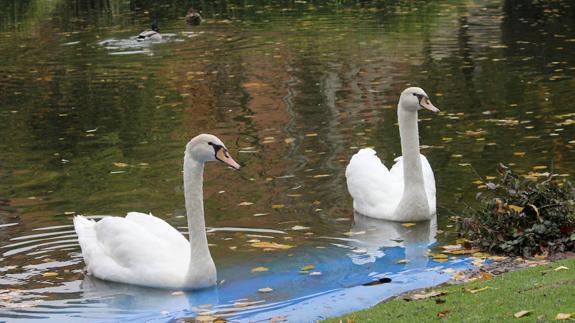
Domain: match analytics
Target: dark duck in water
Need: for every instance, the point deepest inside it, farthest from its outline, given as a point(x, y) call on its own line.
point(193, 17)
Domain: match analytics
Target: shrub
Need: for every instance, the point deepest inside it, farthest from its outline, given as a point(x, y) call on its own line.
point(523, 217)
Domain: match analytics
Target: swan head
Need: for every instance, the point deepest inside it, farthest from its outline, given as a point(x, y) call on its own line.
point(415, 99)
point(206, 147)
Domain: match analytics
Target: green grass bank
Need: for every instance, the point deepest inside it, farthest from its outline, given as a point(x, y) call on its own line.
point(544, 291)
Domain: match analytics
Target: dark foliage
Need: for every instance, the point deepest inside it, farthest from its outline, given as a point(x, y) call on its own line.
point(523, 217)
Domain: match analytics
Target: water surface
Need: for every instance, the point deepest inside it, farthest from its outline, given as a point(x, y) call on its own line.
point(95, 123)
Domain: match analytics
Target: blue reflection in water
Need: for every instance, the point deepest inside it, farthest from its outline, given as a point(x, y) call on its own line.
point(334, 286)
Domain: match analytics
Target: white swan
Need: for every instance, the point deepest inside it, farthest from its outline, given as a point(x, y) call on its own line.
point(141, 249)
point(378, 192)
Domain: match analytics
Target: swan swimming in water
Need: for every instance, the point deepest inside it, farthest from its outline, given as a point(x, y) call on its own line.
point(141, 249)
point(406, 192)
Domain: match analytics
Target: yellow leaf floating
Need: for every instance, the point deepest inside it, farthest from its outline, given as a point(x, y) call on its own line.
point(278, 206)
point(270, 245)
point(440, 260)
point(259, 269)
point(521, 314)
point(438, 256)
point(311, 134)
point(265, 290)
point(539, 167)
point(49, 274)
point(307, 267)
point(121, 165)
point(407, 225)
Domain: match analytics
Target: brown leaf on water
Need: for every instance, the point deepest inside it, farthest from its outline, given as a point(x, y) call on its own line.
point(50, 274)
point(259, 269)
point(521, 314)
point(278, 206)
point(485, 275)
point(271, 245)
point(265, 290)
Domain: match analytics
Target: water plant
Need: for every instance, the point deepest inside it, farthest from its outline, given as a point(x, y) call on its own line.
point(523, 216)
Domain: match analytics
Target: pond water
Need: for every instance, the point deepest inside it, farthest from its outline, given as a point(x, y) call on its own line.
point(94, 122)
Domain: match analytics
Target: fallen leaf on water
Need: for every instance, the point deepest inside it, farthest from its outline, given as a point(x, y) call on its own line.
point(245, 203)
point(563, 316)
point(463, 251)
point(244, 304)
point(315, 273)
point(49, 274)
point(521, 314)
point(265, 290)
point(299, 227)
point(178, 293)
point(307, 267)
point(432, 293)
point(407, 225)
point(259, 269)
point(561, 268)
point(121, 165)
point(477, 290)
point(204, 318)
point(438, 256)
point(278, 206)
point(289, 140)
point(321, 175)
point(440, 260)
point(270, 245)
point(539, 167)
point(311, 134)
point(403, 261)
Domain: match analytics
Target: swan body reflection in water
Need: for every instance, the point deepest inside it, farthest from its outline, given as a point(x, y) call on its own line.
point(371, 236)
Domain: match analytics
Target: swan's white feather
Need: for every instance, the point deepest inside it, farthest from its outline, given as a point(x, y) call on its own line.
point(377, 191)
point(139, 249)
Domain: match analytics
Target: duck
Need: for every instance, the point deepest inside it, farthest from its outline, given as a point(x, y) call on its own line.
point(141, 249)
point(153, 34)
point(193, 17)
point(406, 192)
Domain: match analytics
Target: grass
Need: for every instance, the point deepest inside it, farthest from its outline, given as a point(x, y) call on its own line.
point(541, 290)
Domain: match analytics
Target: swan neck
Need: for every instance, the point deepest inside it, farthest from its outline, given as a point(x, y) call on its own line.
point(409, 133)
point(193, 190)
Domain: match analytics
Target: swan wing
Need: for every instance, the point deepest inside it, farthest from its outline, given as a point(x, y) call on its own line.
point(125, 250)
point(375, 190)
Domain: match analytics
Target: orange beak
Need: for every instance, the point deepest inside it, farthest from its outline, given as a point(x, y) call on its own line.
point(426, 103)
point(223, 156)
